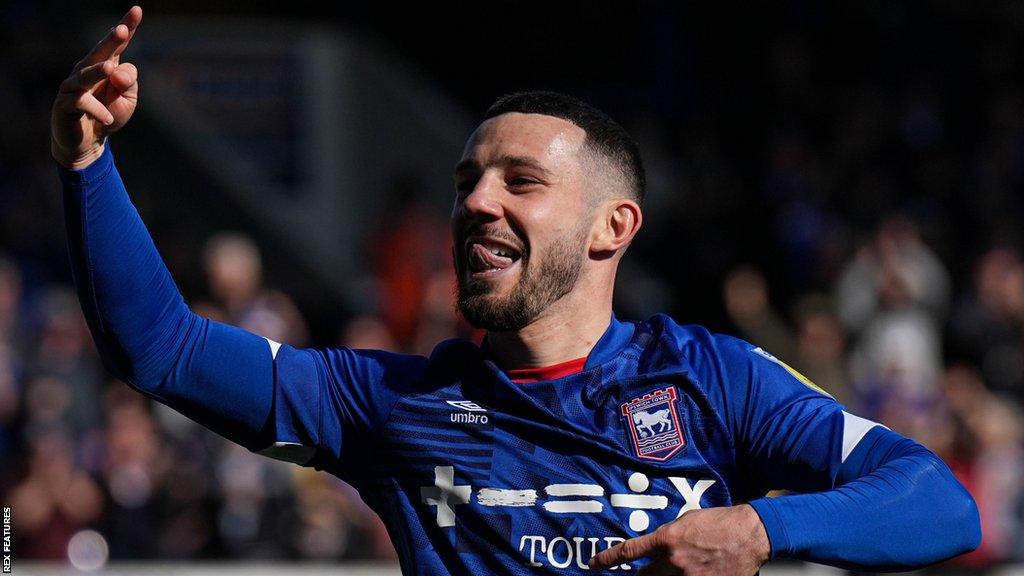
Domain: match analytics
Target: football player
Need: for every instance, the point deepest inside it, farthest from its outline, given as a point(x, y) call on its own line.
point(570, 441)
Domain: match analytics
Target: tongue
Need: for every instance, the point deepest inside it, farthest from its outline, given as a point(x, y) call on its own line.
point(481, 258)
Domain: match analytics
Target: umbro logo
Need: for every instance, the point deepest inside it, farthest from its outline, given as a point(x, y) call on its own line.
point(467, 405)
point(470, 407)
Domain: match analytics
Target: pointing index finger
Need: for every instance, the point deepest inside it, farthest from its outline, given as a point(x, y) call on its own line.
point(624, 552)
point(116, 41)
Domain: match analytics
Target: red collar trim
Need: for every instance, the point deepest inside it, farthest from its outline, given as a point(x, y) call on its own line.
point(530, 375)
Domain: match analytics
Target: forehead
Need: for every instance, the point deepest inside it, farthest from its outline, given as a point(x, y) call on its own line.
point(546, 139)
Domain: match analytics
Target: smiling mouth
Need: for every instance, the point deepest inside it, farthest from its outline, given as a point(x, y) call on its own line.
point(487, 257)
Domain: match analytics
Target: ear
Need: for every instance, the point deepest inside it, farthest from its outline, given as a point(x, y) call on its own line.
point(620, 220)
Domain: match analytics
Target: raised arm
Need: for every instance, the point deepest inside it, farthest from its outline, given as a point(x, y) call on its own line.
point(146, 335)
point(320, 408)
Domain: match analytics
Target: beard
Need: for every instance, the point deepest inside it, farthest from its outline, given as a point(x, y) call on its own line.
point(541, 283)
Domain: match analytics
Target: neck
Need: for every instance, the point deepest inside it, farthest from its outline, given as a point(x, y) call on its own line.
point(566, 331)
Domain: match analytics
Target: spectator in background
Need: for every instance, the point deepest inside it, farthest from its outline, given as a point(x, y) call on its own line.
point(998, 470)
point(964, 393)
point(893, 270)
point(438, 320)
point(410, 244)
point(10, 400)
point(817, 348)
point(821, 346)
point(987, 327)
point(745, 294)
point(894, 295)
point(189, 528)
point(368, 331)
point(12, 318)
point(55, 500)
point(332, 522)
point(12, 346)
point(254, 493)
point(47, 405)
point(133, 468)
point(234, 272)
point(62, 363)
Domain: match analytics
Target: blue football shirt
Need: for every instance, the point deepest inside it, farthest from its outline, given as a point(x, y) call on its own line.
point(473, 473)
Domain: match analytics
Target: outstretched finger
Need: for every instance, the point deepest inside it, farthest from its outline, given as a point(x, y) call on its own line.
point(116, 41)
point(86, 78)
point(624, 552)
point(131, 20)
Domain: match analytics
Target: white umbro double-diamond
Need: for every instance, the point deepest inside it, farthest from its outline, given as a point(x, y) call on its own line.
point(467, 405)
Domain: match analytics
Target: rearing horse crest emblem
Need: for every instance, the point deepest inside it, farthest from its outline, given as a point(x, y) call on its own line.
point(653, 423)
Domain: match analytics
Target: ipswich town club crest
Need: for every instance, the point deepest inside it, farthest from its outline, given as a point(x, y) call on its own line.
point(653, 424)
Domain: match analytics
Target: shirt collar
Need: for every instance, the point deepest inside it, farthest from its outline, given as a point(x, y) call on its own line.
point(617, 336)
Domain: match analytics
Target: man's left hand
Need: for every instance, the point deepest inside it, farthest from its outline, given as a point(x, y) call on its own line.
point(730, 540)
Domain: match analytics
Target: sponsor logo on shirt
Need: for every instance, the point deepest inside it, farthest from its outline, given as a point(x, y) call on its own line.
point(470, 415)
point(638, 506)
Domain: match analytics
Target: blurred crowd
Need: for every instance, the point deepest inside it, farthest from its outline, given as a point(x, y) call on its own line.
point(862, 222)
point(894, 344)
point(90, 452)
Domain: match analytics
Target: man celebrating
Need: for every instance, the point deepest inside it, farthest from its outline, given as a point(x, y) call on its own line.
point(570, 441)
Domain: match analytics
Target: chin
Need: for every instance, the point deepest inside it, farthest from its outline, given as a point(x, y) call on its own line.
point(492, 312)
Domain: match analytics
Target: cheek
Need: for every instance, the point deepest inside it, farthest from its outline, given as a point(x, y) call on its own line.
point(458, 222)
point(550, 220)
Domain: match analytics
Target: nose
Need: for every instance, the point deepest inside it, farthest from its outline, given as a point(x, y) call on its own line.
point(483, 201)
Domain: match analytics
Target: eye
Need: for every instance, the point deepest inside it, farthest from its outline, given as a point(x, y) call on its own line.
point(521, 182)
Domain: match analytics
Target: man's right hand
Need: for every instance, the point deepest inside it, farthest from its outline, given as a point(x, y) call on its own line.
point(97, 99)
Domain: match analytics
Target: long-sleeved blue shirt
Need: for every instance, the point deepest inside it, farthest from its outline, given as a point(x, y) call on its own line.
point(473, 473)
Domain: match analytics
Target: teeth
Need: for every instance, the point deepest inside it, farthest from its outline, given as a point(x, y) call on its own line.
point(501, 252)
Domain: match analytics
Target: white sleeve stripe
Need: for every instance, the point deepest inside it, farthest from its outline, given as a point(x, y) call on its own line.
point(274, 347)
point(854, 429)
point(289, 452)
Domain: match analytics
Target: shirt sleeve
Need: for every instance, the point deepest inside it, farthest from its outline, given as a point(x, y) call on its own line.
point(867, 498)
point(298, 405)
point(330, 405)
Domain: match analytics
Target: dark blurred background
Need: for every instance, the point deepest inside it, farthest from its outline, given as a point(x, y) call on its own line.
point(842, 184)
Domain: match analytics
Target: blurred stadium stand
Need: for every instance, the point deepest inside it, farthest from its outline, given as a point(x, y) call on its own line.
point(300, 130)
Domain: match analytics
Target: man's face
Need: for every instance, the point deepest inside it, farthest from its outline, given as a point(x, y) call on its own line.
point(521, 219)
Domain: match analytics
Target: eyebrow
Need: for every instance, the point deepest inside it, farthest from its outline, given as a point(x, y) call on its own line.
point(505, 161)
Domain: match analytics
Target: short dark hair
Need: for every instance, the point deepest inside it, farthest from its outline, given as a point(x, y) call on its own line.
point(604, 135)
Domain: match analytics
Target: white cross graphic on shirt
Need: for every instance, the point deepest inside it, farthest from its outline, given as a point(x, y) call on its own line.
point(444, 494)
